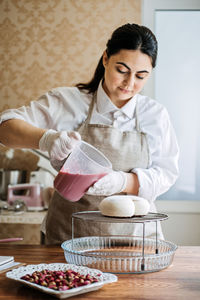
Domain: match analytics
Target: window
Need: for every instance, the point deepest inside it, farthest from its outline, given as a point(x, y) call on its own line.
point(176, 84)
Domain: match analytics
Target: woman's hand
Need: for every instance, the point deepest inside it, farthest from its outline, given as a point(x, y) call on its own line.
point(59, 144)
point(112, 183)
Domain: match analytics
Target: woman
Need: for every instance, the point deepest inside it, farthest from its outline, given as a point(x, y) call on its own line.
point(132, 130)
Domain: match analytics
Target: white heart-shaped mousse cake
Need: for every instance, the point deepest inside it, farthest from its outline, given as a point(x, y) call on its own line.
point(124, 206)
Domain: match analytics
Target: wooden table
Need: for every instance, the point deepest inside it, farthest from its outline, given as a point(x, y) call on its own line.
point(181, 280)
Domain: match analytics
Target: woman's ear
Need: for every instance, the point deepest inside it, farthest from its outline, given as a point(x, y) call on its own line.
point(105, 58)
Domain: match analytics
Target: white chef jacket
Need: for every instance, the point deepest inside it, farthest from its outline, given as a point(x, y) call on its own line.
point(65, 108)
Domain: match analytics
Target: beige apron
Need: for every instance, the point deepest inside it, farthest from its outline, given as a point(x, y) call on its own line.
point(125, 150)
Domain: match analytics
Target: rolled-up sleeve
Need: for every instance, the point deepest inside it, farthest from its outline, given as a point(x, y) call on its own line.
point(58, 109)
point(38, 113)
point(163, 170)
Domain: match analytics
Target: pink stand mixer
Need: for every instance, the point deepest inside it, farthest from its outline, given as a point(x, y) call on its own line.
point(32, 195)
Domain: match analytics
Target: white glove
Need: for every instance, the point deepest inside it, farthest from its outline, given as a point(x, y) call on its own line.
point(112, 183)
point(59, 144)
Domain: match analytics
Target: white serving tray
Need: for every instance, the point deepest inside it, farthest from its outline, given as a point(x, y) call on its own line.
point(104, 278)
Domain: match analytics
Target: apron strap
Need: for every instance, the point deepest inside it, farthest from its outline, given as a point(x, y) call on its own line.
point(87, 120)
point(136, 117)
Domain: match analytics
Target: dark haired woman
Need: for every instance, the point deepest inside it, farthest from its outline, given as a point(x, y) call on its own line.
point(132, 130)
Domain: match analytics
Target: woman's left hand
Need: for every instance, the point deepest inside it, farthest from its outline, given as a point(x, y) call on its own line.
point(112, 183)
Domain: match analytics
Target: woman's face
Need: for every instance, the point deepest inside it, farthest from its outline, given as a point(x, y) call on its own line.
point(125, 74)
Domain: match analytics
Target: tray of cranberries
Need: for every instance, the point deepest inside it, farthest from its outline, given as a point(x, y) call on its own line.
point(61, 280)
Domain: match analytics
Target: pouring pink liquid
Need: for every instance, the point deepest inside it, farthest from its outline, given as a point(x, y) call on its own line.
point(73, 186)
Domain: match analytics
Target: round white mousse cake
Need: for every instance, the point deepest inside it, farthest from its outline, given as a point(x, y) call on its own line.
point(124, 206)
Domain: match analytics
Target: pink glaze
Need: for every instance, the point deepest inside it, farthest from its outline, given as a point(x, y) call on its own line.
point(73, 186)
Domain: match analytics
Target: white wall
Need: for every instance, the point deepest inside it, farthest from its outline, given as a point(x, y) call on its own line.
point(183, 225)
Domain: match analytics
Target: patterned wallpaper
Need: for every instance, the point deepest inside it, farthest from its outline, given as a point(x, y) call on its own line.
point(50, 43)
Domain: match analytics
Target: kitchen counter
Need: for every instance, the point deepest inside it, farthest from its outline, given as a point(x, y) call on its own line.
point(23, 224)
point(181, 280)
point(30, 217)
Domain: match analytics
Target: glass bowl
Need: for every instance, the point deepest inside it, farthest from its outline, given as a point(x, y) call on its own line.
point(119, 254)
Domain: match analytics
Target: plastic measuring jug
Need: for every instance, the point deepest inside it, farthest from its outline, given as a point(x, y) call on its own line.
point(83, 167)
